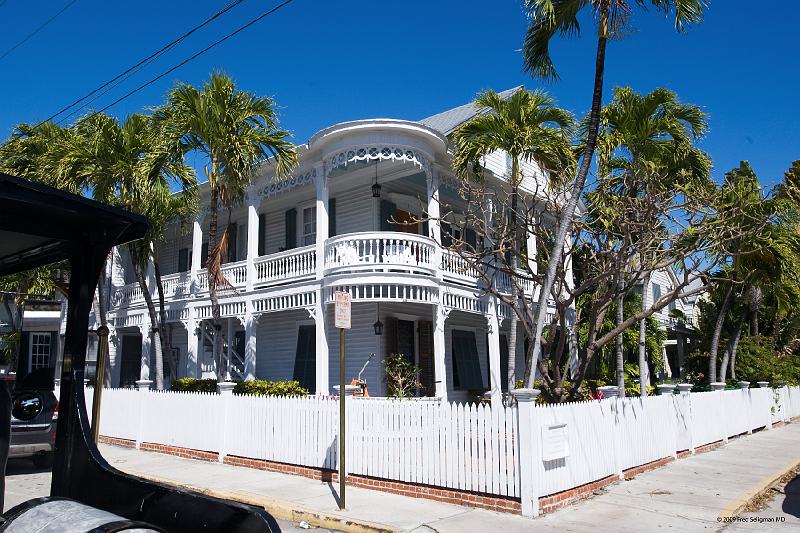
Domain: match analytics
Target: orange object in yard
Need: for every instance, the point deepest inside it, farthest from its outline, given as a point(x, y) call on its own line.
point(362, 388)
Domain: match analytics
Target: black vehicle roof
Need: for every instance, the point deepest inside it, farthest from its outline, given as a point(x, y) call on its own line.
point(40, 225)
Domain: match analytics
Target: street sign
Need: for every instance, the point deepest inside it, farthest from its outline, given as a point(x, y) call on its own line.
point(342, 304)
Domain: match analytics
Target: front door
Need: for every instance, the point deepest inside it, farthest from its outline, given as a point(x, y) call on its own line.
point(405, 222)
point(130, 371)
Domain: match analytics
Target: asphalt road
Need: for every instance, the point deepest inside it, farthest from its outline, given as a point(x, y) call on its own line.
point(24, 481)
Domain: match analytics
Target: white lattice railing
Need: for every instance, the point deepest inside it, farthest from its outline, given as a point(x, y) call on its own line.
point(176, 285)
point(127, 295)
point(286, 266)
point(458, 269)
point(380, 251)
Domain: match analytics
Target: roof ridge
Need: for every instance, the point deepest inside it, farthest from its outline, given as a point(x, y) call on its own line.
point(448, 120)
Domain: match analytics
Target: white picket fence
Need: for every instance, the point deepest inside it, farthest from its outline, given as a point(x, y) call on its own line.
point(526, 451)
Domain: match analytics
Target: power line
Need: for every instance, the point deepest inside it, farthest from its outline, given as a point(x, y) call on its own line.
point(138, 66)
point(37, 30)
point(195, 56)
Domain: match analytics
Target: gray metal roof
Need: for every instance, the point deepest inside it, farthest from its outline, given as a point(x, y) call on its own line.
point(447, 121)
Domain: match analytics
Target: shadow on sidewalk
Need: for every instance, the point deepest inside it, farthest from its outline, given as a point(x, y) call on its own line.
point(791, 502)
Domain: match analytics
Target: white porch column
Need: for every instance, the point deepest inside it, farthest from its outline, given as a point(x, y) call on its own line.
point(191, 344)
point(197, 250)
point(250, 339)
point(493, 338)
point(434, 226)
point(144, 329)
point(319, 312)
point(531, 247)
point(439, 368)
point(229, 351)
point(252, 244)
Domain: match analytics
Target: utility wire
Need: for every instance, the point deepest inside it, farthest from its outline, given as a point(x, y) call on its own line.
point(138, 66)
point(37, 30)
point(196, 55)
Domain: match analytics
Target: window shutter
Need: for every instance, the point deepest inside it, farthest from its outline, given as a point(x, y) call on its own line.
point(447, 237)
point(391, 334)
point(183, 260)
point(262, 234)
point(465, 357)
point(305, 370)
point(387, 213)
point(471, 238)
point(503, 363)
point(291, 228)
point(426, 228)
point(204, 255)
point(51, 359)
point(331, 217)
point(232, 236)
point(427, 375)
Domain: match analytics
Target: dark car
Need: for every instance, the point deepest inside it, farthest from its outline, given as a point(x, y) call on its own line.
point(34, 416)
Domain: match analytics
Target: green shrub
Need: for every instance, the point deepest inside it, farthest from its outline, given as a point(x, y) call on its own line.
point(755, 361)
point(401, 376)
point(194, 385)
point(260, 387)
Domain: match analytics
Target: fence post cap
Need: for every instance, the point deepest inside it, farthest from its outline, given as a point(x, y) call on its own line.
point(743, 384)
point(143, 384)
point(525, 395)
point(666, 388)
point(717, 385)
point(225, 387)
point(609, 391)
point(763, 384)
point(685, 387)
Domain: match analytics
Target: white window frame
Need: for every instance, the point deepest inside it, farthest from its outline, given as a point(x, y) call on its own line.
point(34, 342)
point(301, 226)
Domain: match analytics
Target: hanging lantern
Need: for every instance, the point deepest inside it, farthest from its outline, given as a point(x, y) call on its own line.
point(378, 325)
point(376, 193)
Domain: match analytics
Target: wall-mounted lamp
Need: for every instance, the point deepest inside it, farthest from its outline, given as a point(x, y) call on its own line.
point(376, 188)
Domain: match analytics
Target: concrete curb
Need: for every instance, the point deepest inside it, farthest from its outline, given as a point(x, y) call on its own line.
point(735, 507)
point(285, 510)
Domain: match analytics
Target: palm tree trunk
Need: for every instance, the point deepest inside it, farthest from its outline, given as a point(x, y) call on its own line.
point(735, 345)
point(512, 335)
point(565, 220)
point(755, 303)
point(723, 366)
point(644, 370)
point(619, 352)
point(155, 341)
point(166, 348)
point(211, 266)
point(712, 352)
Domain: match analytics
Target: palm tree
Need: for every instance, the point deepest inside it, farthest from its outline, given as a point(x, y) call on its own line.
point(529, 127)
point(235, 131)
point(133, 165)
point(646, 146)
point(551, 17)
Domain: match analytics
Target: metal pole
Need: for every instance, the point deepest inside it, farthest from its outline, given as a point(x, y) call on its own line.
point(342, 434)
point(100, 371)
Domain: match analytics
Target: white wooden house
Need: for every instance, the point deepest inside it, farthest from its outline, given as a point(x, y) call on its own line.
point(297, 240)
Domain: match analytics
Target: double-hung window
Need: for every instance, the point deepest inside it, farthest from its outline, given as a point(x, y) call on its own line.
point(309, 226)
point(40, 350)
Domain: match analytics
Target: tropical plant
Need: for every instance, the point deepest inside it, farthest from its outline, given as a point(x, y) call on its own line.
point(235, 131)
point(530, 128)
point(402, 376)
point(260, 387)
point(134, 165)
point(547, 19)
point(646, 146)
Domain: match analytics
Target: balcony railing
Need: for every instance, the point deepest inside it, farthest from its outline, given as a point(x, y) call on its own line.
point(286, 267)
point(380, 251)
point(177, 285)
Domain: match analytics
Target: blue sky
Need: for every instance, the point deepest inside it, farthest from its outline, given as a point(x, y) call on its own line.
point(326, 62)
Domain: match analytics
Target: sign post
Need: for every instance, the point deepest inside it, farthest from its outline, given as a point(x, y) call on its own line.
point(342, 321)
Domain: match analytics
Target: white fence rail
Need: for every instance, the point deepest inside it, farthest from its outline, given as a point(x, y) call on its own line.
point(457, 446)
